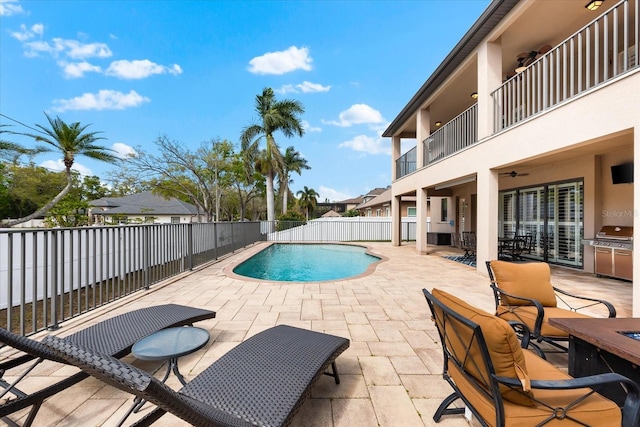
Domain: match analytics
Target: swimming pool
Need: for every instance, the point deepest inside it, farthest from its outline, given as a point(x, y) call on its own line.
point(295, 262)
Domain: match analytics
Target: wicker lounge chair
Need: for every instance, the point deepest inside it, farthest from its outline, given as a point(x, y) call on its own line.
point(262, 381)
point(114, 336)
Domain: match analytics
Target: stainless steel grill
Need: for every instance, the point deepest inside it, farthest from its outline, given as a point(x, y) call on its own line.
point(613, 251)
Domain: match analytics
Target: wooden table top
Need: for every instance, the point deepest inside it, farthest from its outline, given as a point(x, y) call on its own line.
point(604, 334)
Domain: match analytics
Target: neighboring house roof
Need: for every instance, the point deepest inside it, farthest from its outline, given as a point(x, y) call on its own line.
point(384, 199)
point(144, 203)
point(489, 19)
point(331, 213)
point(380, 199)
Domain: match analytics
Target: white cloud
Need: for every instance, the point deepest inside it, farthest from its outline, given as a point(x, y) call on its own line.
point(305, 87)
point(103, 100)
point(308, 128)
point(332, 195)
point(281, 62)
point(58, 166)
point(73, 70)
point(357, 114)
point(10, 7)
point(123, 150)
point(367, 144)
point(27, 33)
point(139, 69)
point(71, 48)
point(308, 87)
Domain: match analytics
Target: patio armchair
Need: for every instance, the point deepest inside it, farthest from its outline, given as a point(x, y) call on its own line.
point(114, 336)
point(504, 384)
point(262, 381)
point(524, 293)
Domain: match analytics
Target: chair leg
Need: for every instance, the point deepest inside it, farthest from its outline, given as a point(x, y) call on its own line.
point(335, 375)
point(444, 409)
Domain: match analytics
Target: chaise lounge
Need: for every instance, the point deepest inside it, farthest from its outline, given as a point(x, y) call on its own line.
point(504, 384)
point(262, 381)
point(114, 337)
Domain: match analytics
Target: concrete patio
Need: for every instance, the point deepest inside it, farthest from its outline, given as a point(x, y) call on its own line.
point(391, 374)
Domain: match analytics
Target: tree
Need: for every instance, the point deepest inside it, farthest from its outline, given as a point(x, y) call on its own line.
point(293, 162)
point(274, 116)
point(195, 177)
point(308, 199)
point(70, 141)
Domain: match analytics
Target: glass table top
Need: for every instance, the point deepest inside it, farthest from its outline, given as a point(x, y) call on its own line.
point(170, 343)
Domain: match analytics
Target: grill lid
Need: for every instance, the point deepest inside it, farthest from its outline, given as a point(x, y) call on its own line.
point(615, 232)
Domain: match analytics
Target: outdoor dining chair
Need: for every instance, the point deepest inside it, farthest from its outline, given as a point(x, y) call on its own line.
point(523, 292)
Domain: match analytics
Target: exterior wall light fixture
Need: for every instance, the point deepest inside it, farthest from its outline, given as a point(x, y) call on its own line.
point(594, 4)
point(438, 123)
point(474, 95)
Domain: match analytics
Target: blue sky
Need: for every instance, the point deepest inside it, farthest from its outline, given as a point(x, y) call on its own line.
point(190, 70)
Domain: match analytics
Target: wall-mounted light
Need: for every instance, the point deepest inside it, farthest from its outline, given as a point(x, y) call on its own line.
point(438, 123)
point(594, 4)
point(474, 95)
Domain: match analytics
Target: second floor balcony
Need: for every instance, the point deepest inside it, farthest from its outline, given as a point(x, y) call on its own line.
point(597, 52)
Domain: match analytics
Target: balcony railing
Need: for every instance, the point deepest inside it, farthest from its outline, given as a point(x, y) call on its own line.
point(604, 49)
point(406, 163)
point(459, 133)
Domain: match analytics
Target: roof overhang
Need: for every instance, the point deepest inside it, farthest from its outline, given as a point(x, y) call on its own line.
point(489, 19)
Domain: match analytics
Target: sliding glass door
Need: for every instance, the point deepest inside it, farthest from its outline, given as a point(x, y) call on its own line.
point(552, 214)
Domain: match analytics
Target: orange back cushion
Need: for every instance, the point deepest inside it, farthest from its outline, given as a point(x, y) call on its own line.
point(530, 280)
point(503, 345)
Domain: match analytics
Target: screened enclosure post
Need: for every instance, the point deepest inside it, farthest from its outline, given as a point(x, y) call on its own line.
point(54, 281)
point(145, 257)
point(215, 239)
point(190, 243)
point(9, 280)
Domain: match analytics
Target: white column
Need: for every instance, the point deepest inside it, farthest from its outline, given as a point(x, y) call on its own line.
point(489, 78)
point(423, 129)
point(421, 220)
point(396, 232)
point(396, 221)
point(486, 218)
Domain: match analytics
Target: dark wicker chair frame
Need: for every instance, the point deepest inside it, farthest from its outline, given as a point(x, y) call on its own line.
point(262, 381)
point(114, 336)
point(630, 411)
point(560, 343)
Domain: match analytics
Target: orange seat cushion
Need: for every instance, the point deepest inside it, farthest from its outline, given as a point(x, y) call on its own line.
point(503, 345)
point(595, 410)
point(527, 314)
point(530, 280)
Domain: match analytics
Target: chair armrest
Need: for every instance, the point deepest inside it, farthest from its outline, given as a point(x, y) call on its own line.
point(630, 410)
point(610, 307)
point(523, 330)
point(537, 304)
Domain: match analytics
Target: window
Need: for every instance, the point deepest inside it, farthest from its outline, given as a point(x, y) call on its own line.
point(387, 211)
point(175, 220)
point(411, 211)
point(378, 211)
point(443, 209)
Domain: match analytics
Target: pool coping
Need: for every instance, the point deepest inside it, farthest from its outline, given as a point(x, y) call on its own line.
point(228, 270)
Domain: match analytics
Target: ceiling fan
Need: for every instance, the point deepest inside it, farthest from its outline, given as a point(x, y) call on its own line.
point(513, 174)
point(526, 58)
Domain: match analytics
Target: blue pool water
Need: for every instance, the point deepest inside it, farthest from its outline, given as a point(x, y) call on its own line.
point(291, 262)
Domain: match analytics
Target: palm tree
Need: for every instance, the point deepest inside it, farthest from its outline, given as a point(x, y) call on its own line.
point(293, 162)
point(274, 116)
point(70, 141)
point(308, 199)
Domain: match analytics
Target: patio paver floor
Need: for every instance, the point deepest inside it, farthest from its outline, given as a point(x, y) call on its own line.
point(391, 374)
